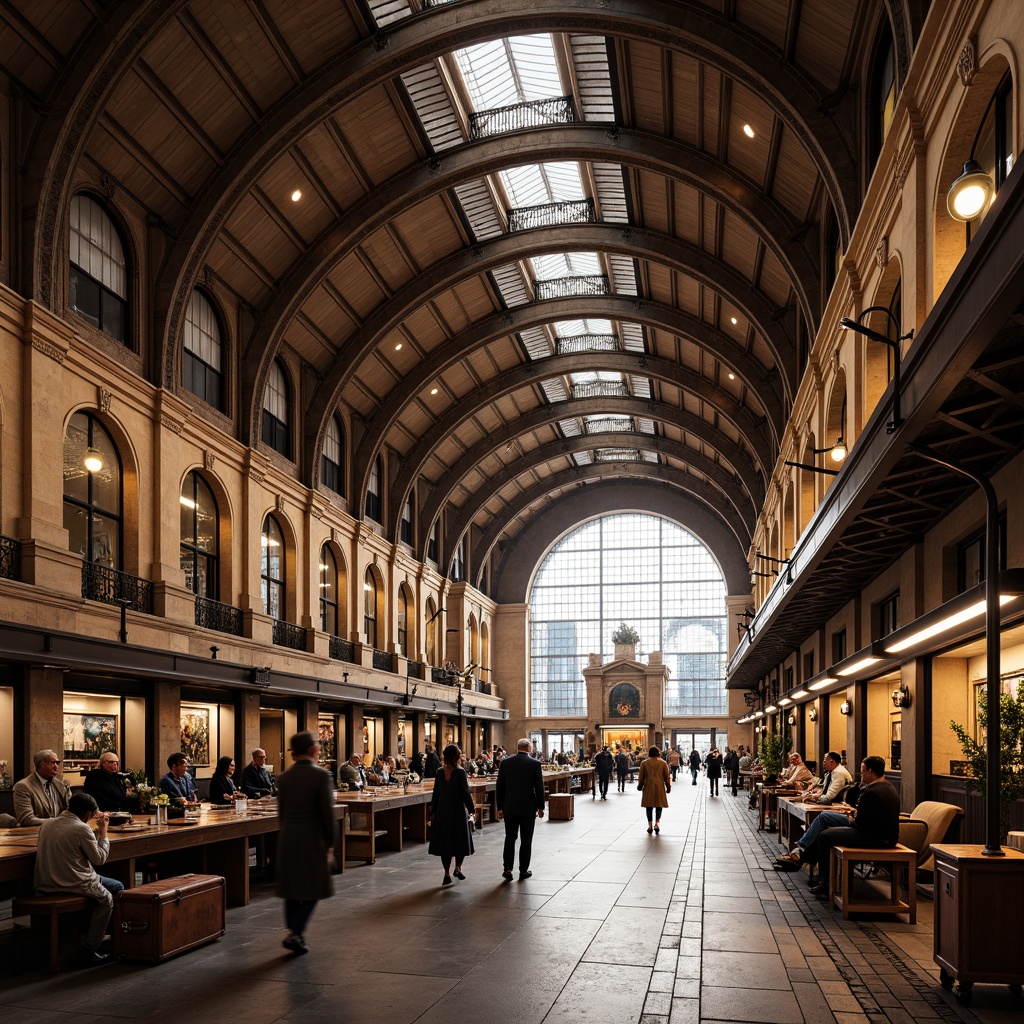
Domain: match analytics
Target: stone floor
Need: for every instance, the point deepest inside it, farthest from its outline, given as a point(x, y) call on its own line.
point(615, 926)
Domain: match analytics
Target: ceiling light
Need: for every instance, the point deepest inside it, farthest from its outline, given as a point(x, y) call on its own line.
point(732, 376)
point(733, 320)
point(853, 669)
point(784, 701)
point(970, 193)
point(797, 694)
point(93, 460)
point(770, 708)
point(296, 196)
point(433, 391)
point(943, 625)
point(821, 684)
point(748, 131)
point(398, 347)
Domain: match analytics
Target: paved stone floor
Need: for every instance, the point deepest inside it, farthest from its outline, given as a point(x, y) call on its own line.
point(614, 927)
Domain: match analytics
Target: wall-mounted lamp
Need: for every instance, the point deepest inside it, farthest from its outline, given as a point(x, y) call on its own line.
point(837, 452)
point(344, 677)
point(213, 652)
point(883, 339)
point(792, 719)
point(846, 708)
point(813, 714)
point(970, 193)
point(901, 697)
point(757, 728)
point(93, 460)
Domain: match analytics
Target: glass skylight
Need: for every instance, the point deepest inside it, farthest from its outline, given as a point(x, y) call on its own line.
point(512, 70)
point(534, 184)
point(565, 264)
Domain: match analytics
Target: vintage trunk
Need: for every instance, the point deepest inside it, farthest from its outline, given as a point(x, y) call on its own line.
point(159, 920)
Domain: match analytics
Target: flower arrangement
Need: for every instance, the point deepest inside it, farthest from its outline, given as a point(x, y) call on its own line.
point(5, 778)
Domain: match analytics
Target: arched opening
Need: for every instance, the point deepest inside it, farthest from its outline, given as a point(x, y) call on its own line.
point(200, 537)
point(430, 621)
point(93, 492)
point(330, 592)
point(373, 608)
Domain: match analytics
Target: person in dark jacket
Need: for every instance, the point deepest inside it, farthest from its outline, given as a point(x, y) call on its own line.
point(256, 780)
point(451, 807)
point(178, 783)
point(621, 769)
point(222, 786)
point(603, 764)
point(109, 787)
point(713, 766)
point(694, 762)
point(431, 763)
point(520, 799)
point(731, 763)
point(305, 842)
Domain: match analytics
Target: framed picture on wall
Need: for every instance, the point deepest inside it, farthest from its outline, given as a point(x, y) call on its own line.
point(195, 734)
point(88, 736)
point(328, 749)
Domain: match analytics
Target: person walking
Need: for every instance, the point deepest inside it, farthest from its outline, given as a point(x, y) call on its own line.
point(713, 766)
point(451, 806)
point(732, 766)
point(674, 761)
point(603, 764)
point(655, 783)
point(305, 841)
point(622, 769)
point(520, 798)
point(694, 763)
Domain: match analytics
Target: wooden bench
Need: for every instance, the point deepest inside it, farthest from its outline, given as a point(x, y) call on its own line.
point(51, 907)
point(844, 858)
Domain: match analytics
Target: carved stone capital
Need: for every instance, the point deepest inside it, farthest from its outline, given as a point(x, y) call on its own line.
point(882, 252)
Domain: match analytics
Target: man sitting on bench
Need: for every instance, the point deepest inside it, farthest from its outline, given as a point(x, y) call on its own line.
point(874, 823)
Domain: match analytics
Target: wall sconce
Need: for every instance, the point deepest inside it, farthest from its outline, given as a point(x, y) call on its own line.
point(970, 193)
point(757, 728)
point(813, 714)
point(837, 452)
point(901, 697)
point(896, 347)
point(846, 708)
point(792, 719)
point(344, 677)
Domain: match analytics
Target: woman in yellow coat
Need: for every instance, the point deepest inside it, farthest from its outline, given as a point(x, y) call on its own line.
point(655, 783)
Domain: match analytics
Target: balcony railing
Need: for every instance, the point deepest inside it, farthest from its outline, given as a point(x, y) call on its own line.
point(286, 634)
point(415, 669)
point(575, 343)
point(383, 660)
point(225, 618)
point(600, 389)
point(438, 675)
point(570, 211)
point(566, 287)
point(341, 650)
point(10, 558)
point(111, 586)
point(517, 116)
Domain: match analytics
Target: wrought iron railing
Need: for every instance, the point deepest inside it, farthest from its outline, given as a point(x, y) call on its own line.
point(427, 4)
point(225, 618)
point(287, 634)
point(341, 650)
point(517, 116)
point(587, 343)
point(570, 211)
point(566, 287)
point(617, 455)
point(438, 675)
point(600, 389)
point(383, 660)
point(10, 558)
point(415, 669)
point(111, 586)
point(610, 424)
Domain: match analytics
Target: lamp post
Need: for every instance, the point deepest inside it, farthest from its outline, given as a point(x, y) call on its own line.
point(993, 846)
point(858, 328)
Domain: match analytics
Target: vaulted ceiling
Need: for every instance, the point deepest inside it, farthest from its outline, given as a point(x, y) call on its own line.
point(712, 140)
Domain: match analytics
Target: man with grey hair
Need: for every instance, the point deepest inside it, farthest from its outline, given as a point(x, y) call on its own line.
point(108, 785)
point(256, 780)
point(43, 794)
point(520, 800)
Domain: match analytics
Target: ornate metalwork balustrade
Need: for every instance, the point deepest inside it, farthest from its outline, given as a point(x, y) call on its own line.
point(341, 650)
point(574, 343)
point(10, 558)
point(571, 211)
point(517, 116)
point(383, 660)
point(415, 670)
point(600, 389)
point(438, 675)
point(111, 586)
point(566, 287)
point(225, 618)
point(287, 634)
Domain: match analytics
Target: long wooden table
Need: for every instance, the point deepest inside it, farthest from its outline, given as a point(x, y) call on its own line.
point(217, 844)
point(382, 820)
point(561, 781)
point(794, 815)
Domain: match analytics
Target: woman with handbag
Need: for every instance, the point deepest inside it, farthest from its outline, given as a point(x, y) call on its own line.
point(655, 784)
point(451, 806)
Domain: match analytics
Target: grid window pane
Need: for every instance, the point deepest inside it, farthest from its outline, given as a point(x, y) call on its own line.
point(638, 569)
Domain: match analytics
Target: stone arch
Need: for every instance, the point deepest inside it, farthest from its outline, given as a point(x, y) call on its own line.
point(292, 606)
point(225, 528)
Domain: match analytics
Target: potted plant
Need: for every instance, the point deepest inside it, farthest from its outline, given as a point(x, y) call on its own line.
point(772, 750)
point(1011, 753)
point(625, 639)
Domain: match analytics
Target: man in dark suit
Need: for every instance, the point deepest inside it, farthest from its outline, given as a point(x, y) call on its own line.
point(256, 780)
point(108, 786)
point(603, 763)
point(520, 800)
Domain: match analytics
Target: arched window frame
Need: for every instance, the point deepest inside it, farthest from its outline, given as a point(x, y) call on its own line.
point(277, 409)
point(85, 432)
point(273, 585)
point(98, 270)
point(993, 142)
point(402, 621)
point(332, 459)
point(408, 518)
point(202, 351)
point(375, 490)
point(328, 591)
point(370, 608)
point(883, 91)
point(201, 564)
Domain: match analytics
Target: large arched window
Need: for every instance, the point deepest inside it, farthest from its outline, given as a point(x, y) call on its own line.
point(993, 146)
point(403, 621)
point(328, 592)
point(272, 580)
point(370, 608)
point(201, 355)
point(407, 518)
point(374, 490)
point(641, 570)
point(276, 411)
point(199, 529)
point(882, 95)
point(92, 492)
point(98, 279)
point(430, 620)
point(330, 465)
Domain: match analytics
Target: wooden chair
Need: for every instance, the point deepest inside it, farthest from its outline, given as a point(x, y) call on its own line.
point(845, 858)
point(51, 906)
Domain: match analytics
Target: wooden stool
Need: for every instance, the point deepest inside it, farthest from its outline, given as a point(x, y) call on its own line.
point(481, 813)
point(51, 906)
point(843, 860)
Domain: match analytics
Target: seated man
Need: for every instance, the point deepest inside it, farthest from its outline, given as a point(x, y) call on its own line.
point(353, 773)
point(875, 822)
point(42, 794)
point(108, 787)
point(177, 783)
point(797, 774)
point(256, 781)
point(67, 856)
point(833, 782)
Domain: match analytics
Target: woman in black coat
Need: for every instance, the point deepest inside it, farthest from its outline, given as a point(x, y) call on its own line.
point(450, 807)
point(222, 786)
point(713, 764)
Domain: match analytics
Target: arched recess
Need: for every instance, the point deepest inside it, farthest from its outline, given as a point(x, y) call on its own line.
point(517, 561)
point(342, 594)
point(374, 609)
point(774, 551)
point(789, 524)
point(431, 618)
point(473, 635)
point(950, 236)
point(805, 483)
point(879, 359)
point(225, 530)
point(405, 621)
point(291, 607)
point(837, 418)
point(484, 670)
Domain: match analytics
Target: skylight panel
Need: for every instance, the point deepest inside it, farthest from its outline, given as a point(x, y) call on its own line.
point(570, 328)
point(592, 376)
point(568, 264)
point(512, 70)
point(533, 184)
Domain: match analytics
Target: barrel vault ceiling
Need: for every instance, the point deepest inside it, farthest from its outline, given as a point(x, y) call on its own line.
point(502, 358)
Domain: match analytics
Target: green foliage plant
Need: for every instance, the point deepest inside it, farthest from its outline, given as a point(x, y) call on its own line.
point(625, 635)
point(772, 750)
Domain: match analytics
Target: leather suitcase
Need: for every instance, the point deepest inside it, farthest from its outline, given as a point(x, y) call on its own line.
point(162, 919)
point(561, 807)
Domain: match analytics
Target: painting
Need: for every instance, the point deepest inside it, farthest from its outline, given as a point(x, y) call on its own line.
point(88, 736)
point(624, 701)
point(195, 734)
point(328, 750)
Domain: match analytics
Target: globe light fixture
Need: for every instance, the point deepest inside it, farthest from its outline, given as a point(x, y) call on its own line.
point(970, 193)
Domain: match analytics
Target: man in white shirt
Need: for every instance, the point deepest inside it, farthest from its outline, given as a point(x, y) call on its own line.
point(833, 782)
point(797, 774)
point(43, 794)
point(67, 856)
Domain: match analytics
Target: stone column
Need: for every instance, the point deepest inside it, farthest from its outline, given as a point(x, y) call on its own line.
point(43, 716)
point(165, 731)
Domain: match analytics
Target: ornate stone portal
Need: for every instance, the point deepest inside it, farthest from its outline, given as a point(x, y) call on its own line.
point(625, 699)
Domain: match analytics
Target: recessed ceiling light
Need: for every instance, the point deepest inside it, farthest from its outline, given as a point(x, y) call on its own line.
point(433, 391)
point(732, 320)
point(748, 131)
point(732, 376)
point(296, 196)
point(398, 347)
